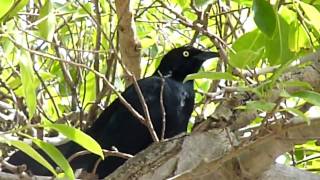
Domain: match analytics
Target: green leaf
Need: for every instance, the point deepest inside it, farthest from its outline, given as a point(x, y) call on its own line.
point(48, 21)
point(27, 80)
point(183, 3)
point(209, 75)
point(83, 11)
point(88, 89)
point(7, 46)
point(15, 8)
point(148, 41)
point(253, 40)
point(298, 37)
point(56, 156)
point(260, 105)
point(264, 16)
point(246, 58)
point(79, 137)
point(312, 14)
point(298, 113)
point(5, 7)
point(301, 84)
point(309, 96)
point(246, 3)
point(202, 3)
point(277, 48)
point(27, 149)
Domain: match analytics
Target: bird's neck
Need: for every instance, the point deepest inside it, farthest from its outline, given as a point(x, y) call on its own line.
point(175, 76)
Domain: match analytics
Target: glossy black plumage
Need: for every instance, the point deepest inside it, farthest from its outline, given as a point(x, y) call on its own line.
point(117, 127)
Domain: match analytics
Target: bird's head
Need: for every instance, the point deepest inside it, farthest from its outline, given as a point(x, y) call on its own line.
point(180, 62)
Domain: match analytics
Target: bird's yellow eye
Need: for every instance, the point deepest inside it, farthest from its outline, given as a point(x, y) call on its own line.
point(185, 54)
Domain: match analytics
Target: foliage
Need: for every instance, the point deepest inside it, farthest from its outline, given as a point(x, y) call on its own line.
point(48, 50)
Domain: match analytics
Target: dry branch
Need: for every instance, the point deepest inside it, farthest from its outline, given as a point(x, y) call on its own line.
point(208, 154)
point(130, 46)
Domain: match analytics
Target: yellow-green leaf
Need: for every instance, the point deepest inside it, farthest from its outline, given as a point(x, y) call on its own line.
point(5, 7)
point(79, 137)
point(27, 149)
point(210, 75)
point(48, 21)
point(309, 96)
point(312, 14)
point(27, 80)
point(56, 156)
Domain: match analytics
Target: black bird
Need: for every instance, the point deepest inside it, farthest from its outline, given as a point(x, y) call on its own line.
point(117, 127)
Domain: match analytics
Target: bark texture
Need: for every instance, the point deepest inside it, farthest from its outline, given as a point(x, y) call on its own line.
point(130, 47)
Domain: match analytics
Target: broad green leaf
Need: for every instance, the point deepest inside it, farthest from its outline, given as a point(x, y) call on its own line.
point(88, 89)
point(260, 105)
point(309, 96)
point(56, 156)
point(312, 14)
point(245, 58)
point(288, 14)
point(298, 37)
point(277, 49)
point(27, 80)
point(48, 21)
point(79, 137)
point(15, 8)
point(27, 149)
point(301, 84)
point(298, 113)
point(264, 16)
point(253, 40)
point(149, 40)
point(183, 3)
point(210, 75)
point(5, 7)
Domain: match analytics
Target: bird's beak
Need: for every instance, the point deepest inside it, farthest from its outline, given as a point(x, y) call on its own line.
point(206, 55)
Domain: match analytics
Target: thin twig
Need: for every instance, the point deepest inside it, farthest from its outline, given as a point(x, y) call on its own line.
point(163, 111)
point(147, 120)
point(106, 153)
point(52, 57)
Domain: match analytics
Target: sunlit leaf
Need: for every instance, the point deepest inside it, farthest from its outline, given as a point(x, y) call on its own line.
point(15, 8)
point(88, 89)
point(298, 37)
point(253, 40)
point(27, 80)
point(309, 96)
point(5, 7)
point(79, 137)
point(312, 14)
point(183, 3)
point(27, 149)
point(56, 156)
point(210, 75)
point(48, 21)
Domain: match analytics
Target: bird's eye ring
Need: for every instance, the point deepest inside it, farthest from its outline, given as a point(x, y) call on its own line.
point(185, 54)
